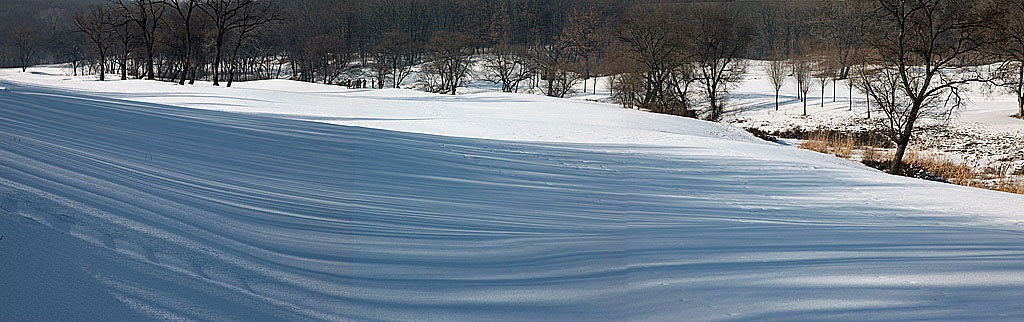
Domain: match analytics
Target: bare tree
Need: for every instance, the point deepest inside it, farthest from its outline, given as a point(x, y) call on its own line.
point(450, 58)
point(253, 17)
point(394, 57)
point(146, 14)
point(58, 40)
point(861, 77)
point(627, 89)
point(25, 41)
point(719, 38)
point(839, 24)
point(126, 42)
point(802, 72)
point(53, 22)
point(777, 70)
point(582, 38)
point(1010, 73)
point(403, 57)
point(97, 23)
point(769, 19)
point(554, 61)
point(72, 50)
point(381, 66)
point(1010, 76)
point(327, 59)
point(185, 10)
point(683, 76)
point(507, 65)
point(921, 46)
point(782, 25)
point(823, 72)
point(652, 41)
point(229, 15)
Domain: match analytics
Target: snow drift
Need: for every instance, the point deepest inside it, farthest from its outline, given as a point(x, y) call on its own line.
point(478, 207)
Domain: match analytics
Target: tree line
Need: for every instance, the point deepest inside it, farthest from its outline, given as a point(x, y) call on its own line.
point(912, 59)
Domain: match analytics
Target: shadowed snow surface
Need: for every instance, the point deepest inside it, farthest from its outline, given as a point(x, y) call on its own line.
point(124, 210)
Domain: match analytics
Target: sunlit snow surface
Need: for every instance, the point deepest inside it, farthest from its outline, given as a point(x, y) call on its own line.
point(277, 200)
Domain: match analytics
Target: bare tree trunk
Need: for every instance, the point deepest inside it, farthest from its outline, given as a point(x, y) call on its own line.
point(216, 59)
point(185, 68)
point(586, 73)
point(776, 100)
point(188, 59)
point(868, 100)
point(234, 57)
point(897, 160)
point(455, 78)
point(716, 110)
point(551, 86)
point(103, 58)
point(849, 85)
point(904, 140)
point(124, 66)
point(1020, 92)
point(149, 61)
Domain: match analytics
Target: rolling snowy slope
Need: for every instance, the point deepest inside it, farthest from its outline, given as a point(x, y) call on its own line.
point(118, 203)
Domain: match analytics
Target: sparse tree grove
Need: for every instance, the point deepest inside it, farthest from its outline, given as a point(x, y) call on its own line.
point(912, 59)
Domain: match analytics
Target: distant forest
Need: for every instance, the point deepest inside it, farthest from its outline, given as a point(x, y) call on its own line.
point(911, 58)
point(318, 40)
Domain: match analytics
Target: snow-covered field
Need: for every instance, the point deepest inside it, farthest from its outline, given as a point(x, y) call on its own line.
point(981, 131)
point(754, 99)
point(278, 200)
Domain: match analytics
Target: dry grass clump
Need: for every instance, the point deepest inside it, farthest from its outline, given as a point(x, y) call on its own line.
point(1007, 180)
point(843, 146)
point(816, 143)
point(872, 154)
point(1009, 185)
point(930, 166)
point(956, 173)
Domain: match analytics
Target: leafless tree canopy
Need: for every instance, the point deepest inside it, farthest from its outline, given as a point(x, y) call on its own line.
point(655, 55)
point(1009, 49)
point(98, 25)
point(926, 51)
point(450, 58)
point(777, 71)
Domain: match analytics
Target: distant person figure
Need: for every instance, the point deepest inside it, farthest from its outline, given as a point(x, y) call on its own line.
point(364, 84)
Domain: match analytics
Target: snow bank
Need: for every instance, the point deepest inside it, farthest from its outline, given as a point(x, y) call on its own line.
point(141, 200)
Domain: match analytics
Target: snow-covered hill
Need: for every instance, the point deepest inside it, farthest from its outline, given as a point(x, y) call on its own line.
point(279, 200)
